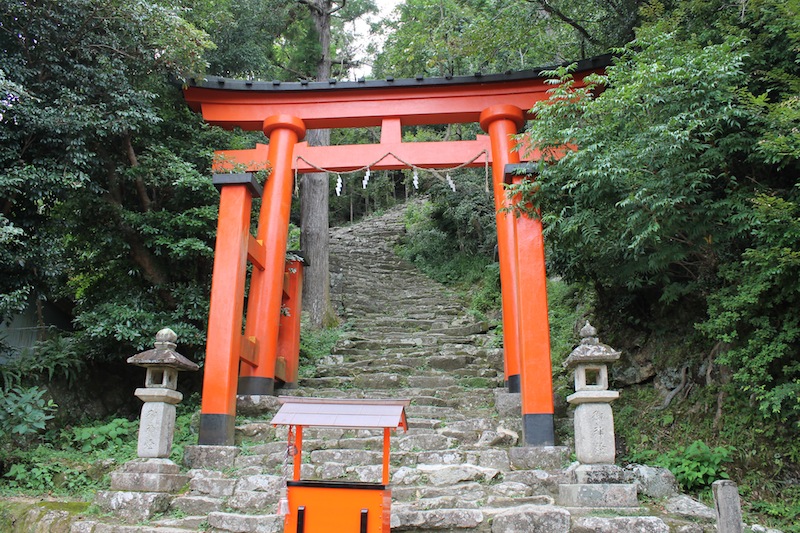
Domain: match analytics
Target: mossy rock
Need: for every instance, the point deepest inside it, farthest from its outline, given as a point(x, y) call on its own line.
point(35, 516)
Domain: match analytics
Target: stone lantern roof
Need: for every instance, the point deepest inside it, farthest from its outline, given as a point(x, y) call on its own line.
point(164, 354)
point(591, 350)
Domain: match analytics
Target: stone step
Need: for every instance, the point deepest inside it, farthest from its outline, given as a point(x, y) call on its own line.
point(245, 523)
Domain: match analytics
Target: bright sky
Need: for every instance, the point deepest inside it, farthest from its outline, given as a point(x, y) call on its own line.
point(385, 8)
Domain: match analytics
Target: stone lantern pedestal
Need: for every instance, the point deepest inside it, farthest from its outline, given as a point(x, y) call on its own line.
point(599, 482)
point(142, 487)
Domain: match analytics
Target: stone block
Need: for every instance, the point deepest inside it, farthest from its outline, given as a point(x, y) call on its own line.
point(497, 438)
point(541, 482)
point(378, 381)
point(532, 519)
point(331, 471)
point(196, 505)
point(369, 473)
point(156, 429)
point(253, 500)
point(133, 506)
point(256, 404)
point(621, 524)
point(538, 457)
point(406, 476)
point(210, 457)
point(594, 433)
point(432, 382)
point(431, 441)
point(263, 483)
point(448, 362)
point(598, 495)
point(142, 482)
point(652, 481)
point(490, 458)
point(510, 489)
point(600, 474)
point(215, 487)
point(441, 475)
point(507, 404)
point(441, 457)
point(687, 507)
point(350, 457)
point(436, 519)
point(148, 475)
point(237, 523)
point(728, 506)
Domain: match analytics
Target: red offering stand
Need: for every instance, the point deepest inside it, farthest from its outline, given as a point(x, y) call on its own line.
point(326, 506)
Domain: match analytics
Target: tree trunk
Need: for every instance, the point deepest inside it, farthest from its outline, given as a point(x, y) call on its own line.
point(314, 239)
point(314, 192)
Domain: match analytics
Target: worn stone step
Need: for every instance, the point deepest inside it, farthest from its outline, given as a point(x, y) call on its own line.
point(245, 523)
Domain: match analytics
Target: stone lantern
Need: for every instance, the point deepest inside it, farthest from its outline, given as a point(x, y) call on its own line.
point(600, 483)
point(594, 421)
point(141, 488)
point(157, 422)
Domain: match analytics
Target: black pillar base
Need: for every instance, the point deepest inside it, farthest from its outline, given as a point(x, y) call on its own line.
point(513, 383)
point(538, 430)
point(216, 430)
point(287, 385)
point(255, 386)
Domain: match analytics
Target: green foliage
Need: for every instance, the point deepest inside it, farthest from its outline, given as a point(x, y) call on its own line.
point(440, 38)
point(24, 413)
point(55, 357)
point(315, 344)
point(697, 466)
point(755, 313)
point(117, 433)
point(45, 470)
point(667, 205)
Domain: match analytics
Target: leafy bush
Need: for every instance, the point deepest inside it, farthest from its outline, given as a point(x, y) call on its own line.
point(315, 344)
point(697, 465)
point(56, 356)
point(117, 433)
point(755, 312)
point(23, 414)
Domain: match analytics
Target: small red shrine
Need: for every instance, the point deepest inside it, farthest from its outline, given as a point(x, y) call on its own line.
point(318, 506)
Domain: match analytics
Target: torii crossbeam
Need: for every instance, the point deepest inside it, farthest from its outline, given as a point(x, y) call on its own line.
point(284, 111)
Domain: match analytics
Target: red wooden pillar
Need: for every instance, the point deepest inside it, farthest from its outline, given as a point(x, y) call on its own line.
point(535, 364)
point(501, 122)
point(223, 347)
point(266, 286)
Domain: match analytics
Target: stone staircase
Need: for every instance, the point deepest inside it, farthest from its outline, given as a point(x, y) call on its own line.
point(458, 468)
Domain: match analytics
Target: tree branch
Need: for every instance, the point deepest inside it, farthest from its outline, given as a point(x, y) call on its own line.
point(141, 189)
point(564, 18)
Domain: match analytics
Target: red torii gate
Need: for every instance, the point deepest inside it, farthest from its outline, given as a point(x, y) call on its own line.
point(284, 111)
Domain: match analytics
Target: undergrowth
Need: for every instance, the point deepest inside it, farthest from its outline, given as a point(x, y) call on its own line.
point(687, 437)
